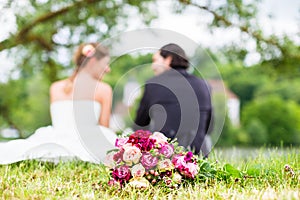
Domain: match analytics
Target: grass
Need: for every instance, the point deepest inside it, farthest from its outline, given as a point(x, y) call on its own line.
point(264, 168)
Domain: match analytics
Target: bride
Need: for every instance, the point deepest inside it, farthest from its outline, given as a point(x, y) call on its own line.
point(80, 112)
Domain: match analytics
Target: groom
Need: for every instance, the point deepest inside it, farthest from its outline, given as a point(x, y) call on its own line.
point(175, 102)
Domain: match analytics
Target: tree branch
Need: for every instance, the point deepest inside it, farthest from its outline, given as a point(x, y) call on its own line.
point(228, 23)
point(21, 36)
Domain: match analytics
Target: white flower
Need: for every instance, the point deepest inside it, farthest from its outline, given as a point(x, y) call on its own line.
point(177, 177)
point(165, 165)
point(132, 154)
point(139, 182)
point(137, 170)
point(109, 160)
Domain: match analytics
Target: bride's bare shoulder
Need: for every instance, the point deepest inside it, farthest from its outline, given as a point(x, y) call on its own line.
point(104, 91)
point(58, 84)
point(104, 87)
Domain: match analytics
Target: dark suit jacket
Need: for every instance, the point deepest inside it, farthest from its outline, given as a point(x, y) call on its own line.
point(177, 104)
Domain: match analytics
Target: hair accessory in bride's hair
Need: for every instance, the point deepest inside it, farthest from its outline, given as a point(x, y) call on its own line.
point(88, 50)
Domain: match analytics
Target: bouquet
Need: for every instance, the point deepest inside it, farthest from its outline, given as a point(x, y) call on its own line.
point(144, 158)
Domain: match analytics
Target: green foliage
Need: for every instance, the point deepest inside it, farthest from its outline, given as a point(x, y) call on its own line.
point(255, 89)
point(10, 96)
point(227, 172)
point(219, 114)
point(228, 135)
point(257, 132)
point(280, 118)
point(286, 88)
point(129, 66)
point(231, 135)
point(34, 112)
point(125, 69)
point(45, 29)
point(25, 104)
point(278, 53)
point(244, 82)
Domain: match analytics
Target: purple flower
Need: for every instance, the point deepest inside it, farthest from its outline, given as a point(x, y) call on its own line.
point(167, 150)
point(146, 144)
point(149, 161)
point(121, 174)
point(188, 157)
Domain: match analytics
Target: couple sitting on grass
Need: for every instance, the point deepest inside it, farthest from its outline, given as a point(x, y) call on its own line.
point(174, 102)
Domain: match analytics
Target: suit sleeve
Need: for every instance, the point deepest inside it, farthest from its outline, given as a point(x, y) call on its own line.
point(142, 119)
point(211, 118)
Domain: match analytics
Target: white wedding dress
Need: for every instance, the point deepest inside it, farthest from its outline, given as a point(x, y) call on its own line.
point(74, 134)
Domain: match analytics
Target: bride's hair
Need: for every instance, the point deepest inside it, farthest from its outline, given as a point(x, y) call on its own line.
point(82, 55)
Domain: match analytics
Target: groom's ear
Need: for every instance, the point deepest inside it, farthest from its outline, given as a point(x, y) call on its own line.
point(168, 61)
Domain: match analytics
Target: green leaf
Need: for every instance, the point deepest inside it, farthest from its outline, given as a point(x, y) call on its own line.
point(205, 166)
point(254, 170)
point(232, 171)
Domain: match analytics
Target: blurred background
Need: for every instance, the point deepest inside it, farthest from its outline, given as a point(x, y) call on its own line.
point(253, 44)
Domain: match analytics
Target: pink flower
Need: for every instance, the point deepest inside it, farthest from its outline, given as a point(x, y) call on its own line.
point(167, 150)
point(121, 174)
point(160, 138)
point(88, 50)
point(131, 154)
point(113, 182)
point(148, 161)
point(186, 168)
point(165, 165)
point(118, 157)
point(120, 142)
point(138, 170)
point(190, 170)
point(178, 161)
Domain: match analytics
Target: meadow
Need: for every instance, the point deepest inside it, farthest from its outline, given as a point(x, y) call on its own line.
point(265, 173)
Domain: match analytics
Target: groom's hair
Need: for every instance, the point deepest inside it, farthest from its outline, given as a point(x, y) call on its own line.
point(179, 58)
